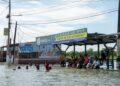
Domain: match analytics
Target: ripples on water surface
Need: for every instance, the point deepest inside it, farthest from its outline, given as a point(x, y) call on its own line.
point(57, 77)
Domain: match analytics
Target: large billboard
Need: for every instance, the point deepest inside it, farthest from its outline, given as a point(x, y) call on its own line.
point(75, 34)
point(28, 47)
point(65, 37)
point(49, 52)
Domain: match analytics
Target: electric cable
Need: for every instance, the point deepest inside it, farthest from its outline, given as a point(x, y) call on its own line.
point(67, 20)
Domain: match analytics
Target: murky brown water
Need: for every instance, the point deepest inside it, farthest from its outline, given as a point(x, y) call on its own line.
point(57, 77)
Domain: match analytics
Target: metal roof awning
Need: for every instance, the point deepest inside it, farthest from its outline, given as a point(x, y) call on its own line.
point(95, 38)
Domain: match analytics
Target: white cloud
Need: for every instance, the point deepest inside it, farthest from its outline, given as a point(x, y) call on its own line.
point(69, 11)
point(74, 11)
point(47, 30)
point(64, 14)
point(3, 11)
point(34, 1)
point(1, 32)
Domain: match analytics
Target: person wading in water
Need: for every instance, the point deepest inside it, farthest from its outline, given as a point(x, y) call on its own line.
point(47, 67)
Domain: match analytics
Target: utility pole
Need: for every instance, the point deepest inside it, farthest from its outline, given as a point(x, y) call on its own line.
point(9, 27)
point(14, 41)
point(118, 30)
point(119, 18)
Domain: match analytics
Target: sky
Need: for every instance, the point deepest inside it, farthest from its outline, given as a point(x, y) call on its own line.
point(44, 17)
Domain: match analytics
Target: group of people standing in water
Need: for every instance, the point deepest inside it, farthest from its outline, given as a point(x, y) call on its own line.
point(86, 61)
point(46, 65)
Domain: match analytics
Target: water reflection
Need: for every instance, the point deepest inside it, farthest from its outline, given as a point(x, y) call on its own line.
point(57, 77)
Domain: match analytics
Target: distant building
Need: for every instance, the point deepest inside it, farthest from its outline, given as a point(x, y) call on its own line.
point(28, 53)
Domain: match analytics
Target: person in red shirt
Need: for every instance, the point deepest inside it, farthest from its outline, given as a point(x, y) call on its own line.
point(46, 66)
point(86, 60)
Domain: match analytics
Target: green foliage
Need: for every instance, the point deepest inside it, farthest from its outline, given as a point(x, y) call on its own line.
point(118, 59)
point(90, 52)
point(71, 54)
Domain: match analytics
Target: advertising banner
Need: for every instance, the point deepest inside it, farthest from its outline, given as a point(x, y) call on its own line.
point(80, 33)
point(28, 47)
point(49, 52)
point(65, 37)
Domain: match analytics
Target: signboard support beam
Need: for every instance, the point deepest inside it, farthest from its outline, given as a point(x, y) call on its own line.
point(107, 58)
point(112, 58)
point(85, 49)
point(98, 49)
point(74, 51)
point(105, 46)
point(58, 48)
point(67, 48)
point(114, 46)
point(113, 55)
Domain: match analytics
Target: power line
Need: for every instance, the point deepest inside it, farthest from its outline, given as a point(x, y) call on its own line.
point(34, 11)
point(40, 0)
point(3, 10)
point(21, 36)
point(31, 29)
point(67, 20)
point(26, 33)
point(4, 1)
point(23, 1)
point(63, 1)
point(29, 12)
point(3, 41)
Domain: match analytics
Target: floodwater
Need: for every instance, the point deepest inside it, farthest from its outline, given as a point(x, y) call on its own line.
point(57, 77)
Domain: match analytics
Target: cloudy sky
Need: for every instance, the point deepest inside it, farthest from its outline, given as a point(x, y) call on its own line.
point(43, 17)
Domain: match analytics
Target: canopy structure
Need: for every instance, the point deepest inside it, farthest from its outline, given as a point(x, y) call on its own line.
point(95, 39)
point(79, 37)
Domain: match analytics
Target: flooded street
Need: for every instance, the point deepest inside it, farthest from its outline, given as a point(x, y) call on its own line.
point(57, 77)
